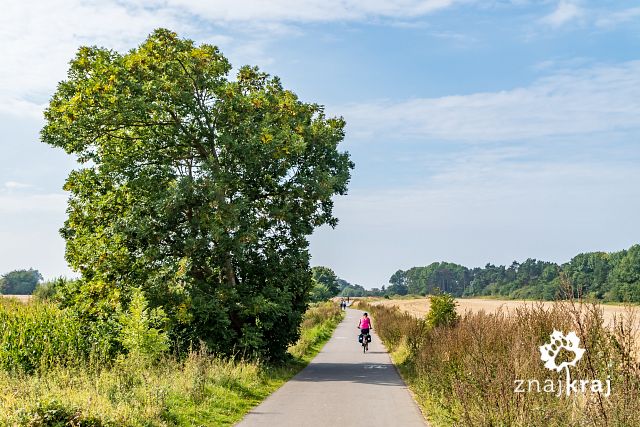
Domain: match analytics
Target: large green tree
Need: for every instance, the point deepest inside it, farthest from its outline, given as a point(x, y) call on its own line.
point(197, 188)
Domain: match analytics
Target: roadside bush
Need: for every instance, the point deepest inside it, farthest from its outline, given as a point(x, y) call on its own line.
point(141, 334)
point(319, 313)
point(395, 327)
point(39, 335)
point(442, 311)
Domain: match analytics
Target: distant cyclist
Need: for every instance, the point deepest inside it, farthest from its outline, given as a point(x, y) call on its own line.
point(365, 324)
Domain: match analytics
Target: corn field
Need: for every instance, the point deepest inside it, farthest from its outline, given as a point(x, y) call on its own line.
point(36, 336)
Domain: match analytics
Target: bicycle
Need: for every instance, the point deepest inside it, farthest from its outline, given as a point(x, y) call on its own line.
point(366, 338)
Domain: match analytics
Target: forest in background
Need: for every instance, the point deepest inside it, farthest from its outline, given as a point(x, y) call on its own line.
point(603, 276)
point(613, 276)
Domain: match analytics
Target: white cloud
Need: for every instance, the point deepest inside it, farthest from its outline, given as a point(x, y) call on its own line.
point(40, 37)
point(565, 11)
point(608, 20)
point(571, 102)
point(456, 39)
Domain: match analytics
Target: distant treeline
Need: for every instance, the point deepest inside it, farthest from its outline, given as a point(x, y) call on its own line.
point(19, 282)
point(611, 276)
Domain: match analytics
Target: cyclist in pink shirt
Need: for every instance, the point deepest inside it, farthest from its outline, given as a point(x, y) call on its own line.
point(365, 324)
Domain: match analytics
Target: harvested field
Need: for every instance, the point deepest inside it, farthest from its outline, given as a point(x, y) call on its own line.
point(420, 306)
point(22, 298)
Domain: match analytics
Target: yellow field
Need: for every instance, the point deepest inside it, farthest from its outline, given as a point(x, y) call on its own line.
point(419, 307)
point(23, 298)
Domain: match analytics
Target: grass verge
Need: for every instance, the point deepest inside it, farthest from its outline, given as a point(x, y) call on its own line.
point(200, 390)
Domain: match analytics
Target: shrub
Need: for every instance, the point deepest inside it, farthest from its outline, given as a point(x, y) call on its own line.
point(141, 334)
point(442, 311)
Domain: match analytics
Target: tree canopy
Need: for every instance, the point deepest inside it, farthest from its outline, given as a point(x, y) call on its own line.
point(327, 277)
point(599, 275)
point(20, 282)
point(198, 189)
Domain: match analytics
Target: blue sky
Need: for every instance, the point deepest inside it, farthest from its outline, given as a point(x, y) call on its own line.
point(482, 131)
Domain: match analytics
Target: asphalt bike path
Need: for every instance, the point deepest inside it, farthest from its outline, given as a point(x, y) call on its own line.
point(342, 387)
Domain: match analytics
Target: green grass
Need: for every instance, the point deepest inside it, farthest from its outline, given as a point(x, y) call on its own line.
point(199, 390)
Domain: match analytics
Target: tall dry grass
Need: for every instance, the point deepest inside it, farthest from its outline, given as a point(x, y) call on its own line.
point(465, 374)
